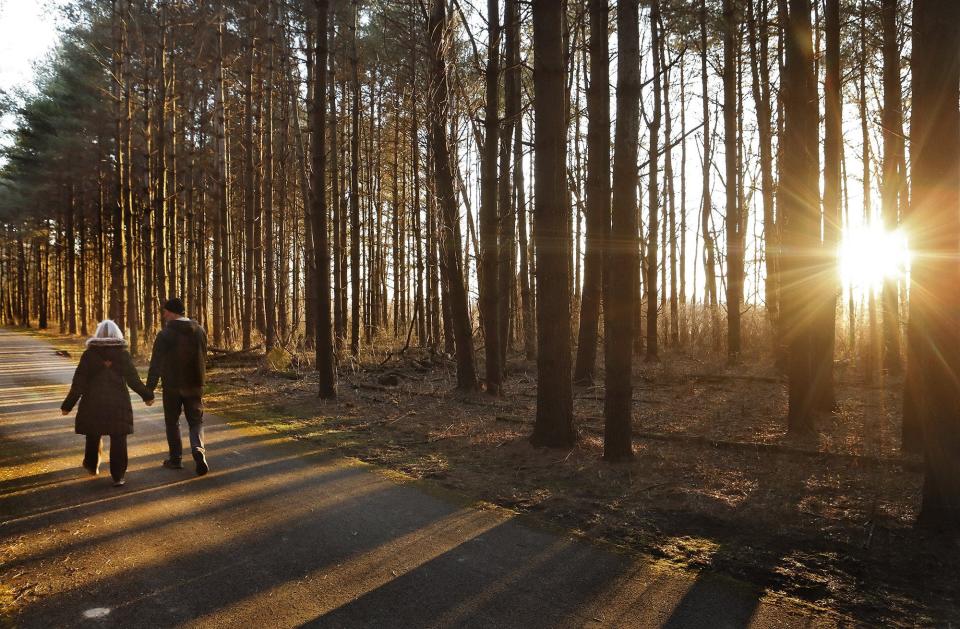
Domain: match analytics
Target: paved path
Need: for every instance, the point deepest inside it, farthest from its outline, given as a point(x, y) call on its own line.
point(280, 535)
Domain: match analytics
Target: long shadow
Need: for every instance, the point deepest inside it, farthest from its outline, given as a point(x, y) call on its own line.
point(221, 497)
point(512, 576)
point(248, 442)
point(293, 541)
point(72, 492)
point(734, 603)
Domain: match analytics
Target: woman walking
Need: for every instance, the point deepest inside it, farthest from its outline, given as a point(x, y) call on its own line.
point(100, 383)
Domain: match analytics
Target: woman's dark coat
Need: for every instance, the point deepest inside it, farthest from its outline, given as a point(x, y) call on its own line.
point(100, 383)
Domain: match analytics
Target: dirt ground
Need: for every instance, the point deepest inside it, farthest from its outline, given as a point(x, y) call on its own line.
point(716, 483)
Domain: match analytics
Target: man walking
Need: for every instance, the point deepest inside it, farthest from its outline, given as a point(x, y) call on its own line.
point(178, 359)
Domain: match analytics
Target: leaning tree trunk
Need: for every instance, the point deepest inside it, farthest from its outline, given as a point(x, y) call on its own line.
point(598, 191)
point(554, 422)
point(446, 199)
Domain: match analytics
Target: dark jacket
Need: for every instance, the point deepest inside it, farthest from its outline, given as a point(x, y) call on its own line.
point(100, 383)
point(179, 355)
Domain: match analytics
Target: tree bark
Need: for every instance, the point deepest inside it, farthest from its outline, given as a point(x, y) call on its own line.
point(760, 71)
point(354, 190)
point(489, 242)
point(653, 209)
point(249, 204)
point(318, 211)
point(451, 268)
point(935, 233)
point(552, 237)
point(733, 209)
point(269, 252)
point(801, 218)
point(829, 276)
point(892, 125)
point(597, 191)
point(621, 251)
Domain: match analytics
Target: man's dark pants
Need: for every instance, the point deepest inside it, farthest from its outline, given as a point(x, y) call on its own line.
point(174, 401)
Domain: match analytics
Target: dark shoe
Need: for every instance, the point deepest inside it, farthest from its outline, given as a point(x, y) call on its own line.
point(201, 461)
point(172, 464)
point(119, 482)
point(92, 470)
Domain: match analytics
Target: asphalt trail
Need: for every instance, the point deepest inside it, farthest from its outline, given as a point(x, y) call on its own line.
point(281, 535)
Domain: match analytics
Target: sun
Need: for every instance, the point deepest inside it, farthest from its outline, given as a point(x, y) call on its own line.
point(870, 254)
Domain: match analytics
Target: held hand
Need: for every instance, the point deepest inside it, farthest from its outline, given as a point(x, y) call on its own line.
point(148, 402)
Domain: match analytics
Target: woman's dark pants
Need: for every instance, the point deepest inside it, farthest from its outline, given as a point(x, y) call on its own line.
point(118, 454)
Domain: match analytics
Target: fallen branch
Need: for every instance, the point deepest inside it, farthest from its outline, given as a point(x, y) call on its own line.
point(232, 352)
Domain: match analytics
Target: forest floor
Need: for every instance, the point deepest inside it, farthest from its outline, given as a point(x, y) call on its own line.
point(716, 482)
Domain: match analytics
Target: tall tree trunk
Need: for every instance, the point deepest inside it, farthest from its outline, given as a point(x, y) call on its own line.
point(318, 200)
point(438, 26)
point(760, 71)
point(552, 237)
point(733, 210)
point(709, 257)
point(249, 204)
point(118, 243)
point(684, 315)
point(507, 209)
point(82, 279)
point(935, 230)
point(892, 125)
point(421, 235)
point(223, 201)
point(71, 261)
point(269, 251)
point(829, 276)
point(132, 314)
point(621, 246)
point(526, 296)
point(339, 223)
point(159, 269)
point(597, 191)
point(653, 209)
point(671, 222)
point(150, 190)
point(800, 209)
point(355, 190)
point(489, 244)
point(871, 352)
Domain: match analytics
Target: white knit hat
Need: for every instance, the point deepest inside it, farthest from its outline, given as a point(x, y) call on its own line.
point(108, 333)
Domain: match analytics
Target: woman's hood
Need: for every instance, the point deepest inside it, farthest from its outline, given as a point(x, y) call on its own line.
point(96, 342)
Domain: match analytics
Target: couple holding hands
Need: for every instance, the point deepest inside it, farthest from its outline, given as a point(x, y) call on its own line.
point(106, 370)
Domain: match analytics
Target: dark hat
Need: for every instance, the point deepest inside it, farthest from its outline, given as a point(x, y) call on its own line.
point(174, 305)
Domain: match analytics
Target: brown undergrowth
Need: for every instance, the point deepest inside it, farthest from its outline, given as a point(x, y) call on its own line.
point(716, 482)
